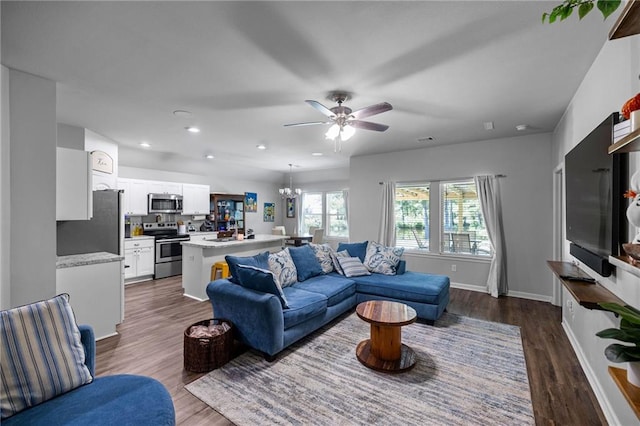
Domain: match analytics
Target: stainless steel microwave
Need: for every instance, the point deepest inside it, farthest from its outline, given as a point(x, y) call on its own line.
point(165, 203)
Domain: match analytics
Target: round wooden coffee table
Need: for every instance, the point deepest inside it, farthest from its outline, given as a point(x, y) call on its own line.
point(385, 350)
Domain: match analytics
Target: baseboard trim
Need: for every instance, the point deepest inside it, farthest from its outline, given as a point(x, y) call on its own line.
point(518, 294)
point(470, 287)
point(607, 410)
point(193, 297)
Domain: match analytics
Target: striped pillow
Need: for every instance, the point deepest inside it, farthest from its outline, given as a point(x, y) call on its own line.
point(41, 355)
point(353, 267)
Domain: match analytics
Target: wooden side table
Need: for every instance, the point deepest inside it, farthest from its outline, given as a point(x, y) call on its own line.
point(384, 351)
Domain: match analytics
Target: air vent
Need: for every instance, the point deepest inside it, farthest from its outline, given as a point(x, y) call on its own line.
point(426, 139)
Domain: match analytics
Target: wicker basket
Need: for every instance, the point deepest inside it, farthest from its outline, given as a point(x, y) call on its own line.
point(207, 353)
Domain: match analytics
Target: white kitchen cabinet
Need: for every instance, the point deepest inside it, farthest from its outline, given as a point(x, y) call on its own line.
point(95, 294)
point(102, 181)
point(139, 259)
point(74, 191)
point(135, 196)
point(156, 187)
point(195, 199)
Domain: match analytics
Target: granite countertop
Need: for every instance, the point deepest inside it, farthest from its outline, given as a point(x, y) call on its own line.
point(73, 260)
point(206, 243)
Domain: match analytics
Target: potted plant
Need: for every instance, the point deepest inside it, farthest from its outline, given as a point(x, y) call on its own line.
point(629, 332)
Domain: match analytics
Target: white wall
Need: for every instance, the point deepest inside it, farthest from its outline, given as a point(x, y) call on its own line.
point(526, 199)
point(5, 191)
point(32, 103)
point(611, 80)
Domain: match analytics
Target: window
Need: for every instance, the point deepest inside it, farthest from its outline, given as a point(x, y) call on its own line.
point(327, 210)
point(412, 216)
point(441, 217)
point(462, 227)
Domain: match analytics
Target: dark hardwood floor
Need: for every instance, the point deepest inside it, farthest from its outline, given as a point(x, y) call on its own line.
point(150, 342)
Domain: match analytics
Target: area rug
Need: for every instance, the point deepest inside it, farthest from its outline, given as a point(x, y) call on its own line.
point(468, 372)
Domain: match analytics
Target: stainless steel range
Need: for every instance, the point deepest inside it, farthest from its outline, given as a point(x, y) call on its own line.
point(168, 248)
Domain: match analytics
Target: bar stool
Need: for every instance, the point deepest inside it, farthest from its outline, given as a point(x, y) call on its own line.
point(221, 267)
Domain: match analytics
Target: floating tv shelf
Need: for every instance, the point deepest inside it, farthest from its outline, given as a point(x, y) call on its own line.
point(628, 22)
point(629, 143)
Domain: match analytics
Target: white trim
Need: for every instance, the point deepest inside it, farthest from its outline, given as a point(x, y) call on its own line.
point(446, 256)
point(530, 296)
point(600, 394)
point(470, 287)
point(193, 297)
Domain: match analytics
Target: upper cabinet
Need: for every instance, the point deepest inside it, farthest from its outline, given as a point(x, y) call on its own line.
point(195, 199)
point(74, 196)
point(164, 187)
point(135, 196)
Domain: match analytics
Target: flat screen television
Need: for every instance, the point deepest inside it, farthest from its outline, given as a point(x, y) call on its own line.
point(595, 182)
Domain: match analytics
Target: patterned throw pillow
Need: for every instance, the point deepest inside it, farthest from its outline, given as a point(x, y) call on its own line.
point(323, 254)
point(352, 267)
point(282, 266)
point(261, 280)
point(335, 256)
point(381, 259)
point(41, 355)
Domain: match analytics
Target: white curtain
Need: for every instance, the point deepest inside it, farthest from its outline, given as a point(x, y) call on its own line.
point(489, 196)
point(387, 231)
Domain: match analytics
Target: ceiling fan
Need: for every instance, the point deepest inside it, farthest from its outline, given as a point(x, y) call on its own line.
point(343, 119)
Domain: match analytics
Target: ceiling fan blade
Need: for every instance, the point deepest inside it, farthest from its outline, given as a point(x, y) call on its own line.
point(368, 125)
point(323, 109)
point(372, 110)
point(310, 123)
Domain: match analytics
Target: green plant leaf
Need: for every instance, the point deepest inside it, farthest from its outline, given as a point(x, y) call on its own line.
point(566, 12)
point(627, 312)
point(628, 335)
point(544, 16)
point(607, 7)
point(621, 353)
point(584, 9)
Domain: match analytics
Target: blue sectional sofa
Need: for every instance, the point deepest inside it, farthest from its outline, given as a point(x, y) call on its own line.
point(263, 324)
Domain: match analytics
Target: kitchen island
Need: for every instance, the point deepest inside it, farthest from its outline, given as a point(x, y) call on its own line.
point(199, 256)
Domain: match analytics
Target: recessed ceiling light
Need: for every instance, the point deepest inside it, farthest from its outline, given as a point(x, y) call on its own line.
point(181, 113)
point(522, 127)
point(261, 146)
point(192, 129)
point(209, 157)
point(145, 145)
point(316, 154)
point(488, 125)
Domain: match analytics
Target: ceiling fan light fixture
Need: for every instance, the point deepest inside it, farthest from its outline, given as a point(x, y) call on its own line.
point(333, 132)
point(347, 132)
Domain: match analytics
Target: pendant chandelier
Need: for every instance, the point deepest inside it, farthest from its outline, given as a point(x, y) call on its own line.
point(289, 192)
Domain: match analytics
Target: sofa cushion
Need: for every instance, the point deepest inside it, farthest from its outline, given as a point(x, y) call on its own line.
point(260, 260)
point(282, 266)
point(352, 267)
point(381, 259)
point(335, 287)
point(410, 286)
point(261, 280)
point(121, 399)
point(303, 305)
point(335, 256)
point(307, 264)
point(41, 355)
point(358, 250)
point(323, 254)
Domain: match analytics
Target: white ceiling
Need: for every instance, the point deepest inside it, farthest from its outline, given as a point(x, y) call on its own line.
point(244, 69)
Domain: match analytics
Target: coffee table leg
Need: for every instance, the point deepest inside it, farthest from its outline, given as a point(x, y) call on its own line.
point(386, 342)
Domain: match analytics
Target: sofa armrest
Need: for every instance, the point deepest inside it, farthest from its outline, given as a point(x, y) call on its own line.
point(256, 316)
point(89, 342)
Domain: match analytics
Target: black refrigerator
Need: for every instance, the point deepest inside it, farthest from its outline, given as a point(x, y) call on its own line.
point(103, 232)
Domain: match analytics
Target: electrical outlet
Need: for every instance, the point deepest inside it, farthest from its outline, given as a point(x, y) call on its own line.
point(454, 268)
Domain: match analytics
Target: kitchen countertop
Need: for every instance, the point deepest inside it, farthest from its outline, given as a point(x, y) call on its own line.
point(86, 259)
point(206, 243)
point(140, 237)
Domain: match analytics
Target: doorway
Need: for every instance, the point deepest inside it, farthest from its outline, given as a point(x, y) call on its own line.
point(558, 228)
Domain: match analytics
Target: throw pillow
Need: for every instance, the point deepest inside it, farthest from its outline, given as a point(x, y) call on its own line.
point(336, 263)
point(259, 261)
point(41, 355)
point(358, 250)
point(381, 259)
point(323, 254)
point(261, 280)
point(306, 263)
point(352, 267)
point(282, 266)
